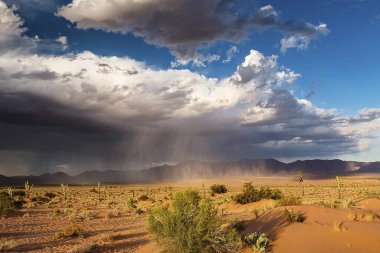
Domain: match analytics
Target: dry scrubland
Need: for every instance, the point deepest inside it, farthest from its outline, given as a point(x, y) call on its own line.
point(114, 218)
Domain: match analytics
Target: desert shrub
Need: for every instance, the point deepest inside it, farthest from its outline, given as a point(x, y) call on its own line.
point(190, 225)
point(293, 216)
point(251, 194)
point(70, 231)
point(131, 203)
point(7, 204)
point(6, 244)
point(258, 242)
point(290, 200)
point(50, 195)
point(143, 198)
point(139, 211)
point(218, 189)
point(40, 199)
point(109, 237)
point(19, 193)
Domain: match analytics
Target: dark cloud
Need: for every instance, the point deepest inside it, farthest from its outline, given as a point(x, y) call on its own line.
point(184, 27)
point(41, 75)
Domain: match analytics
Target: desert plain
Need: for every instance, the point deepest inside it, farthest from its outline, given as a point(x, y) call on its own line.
point(113, 217)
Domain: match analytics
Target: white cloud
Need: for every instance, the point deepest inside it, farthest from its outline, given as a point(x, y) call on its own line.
point(11, 31)
point(63, 41)
point(230, 54)
point(301, 40)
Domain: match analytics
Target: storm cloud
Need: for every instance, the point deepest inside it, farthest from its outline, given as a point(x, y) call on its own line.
point(83, 111)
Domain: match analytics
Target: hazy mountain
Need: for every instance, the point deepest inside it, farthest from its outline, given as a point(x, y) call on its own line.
point(198, 169)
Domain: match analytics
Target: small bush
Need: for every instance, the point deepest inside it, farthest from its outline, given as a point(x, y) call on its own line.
point(251, 194)
point(109, 237)
point(218, 189)
point(40, 199)
point(258, 242)
point(131, 203)
point(293, 216)
point(290, 200)
point(143, 198)
point(85, 248)
point(19, 193)
point(50, 195)
point(190, 225)
point(139, 211)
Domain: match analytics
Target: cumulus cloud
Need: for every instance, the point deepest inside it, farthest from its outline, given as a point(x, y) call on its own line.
point(174, 24)
point(11, 31)
point(92, 112)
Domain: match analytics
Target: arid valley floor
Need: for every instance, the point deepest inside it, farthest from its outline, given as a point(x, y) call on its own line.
point(108, 221)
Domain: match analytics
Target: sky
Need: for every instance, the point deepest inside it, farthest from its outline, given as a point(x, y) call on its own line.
point(129, 84)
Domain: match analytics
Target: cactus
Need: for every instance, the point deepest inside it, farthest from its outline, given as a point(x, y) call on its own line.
point(339, 186)
point(99, 197)
point(28, 188)
point(10, 192)
point(300, 180)
point(65, 190)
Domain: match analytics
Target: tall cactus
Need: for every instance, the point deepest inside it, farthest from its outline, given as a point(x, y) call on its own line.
point(10, 192)
point(99, 197)
point(339, 186)
point(300, 180)
point(65, 190)
point(28, 188)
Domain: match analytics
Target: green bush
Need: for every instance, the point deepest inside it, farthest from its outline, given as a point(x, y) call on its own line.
point(293, 216)
point(218, 189)
point(258, 242)
point(251, 194)
point(190, 225)
point(290, 201)
point(131, 203)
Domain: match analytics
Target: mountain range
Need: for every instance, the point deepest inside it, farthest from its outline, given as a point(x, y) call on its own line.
point(196, 170)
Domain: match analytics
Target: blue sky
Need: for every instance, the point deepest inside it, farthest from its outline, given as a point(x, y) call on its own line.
point(317, 59)
point(342, 65)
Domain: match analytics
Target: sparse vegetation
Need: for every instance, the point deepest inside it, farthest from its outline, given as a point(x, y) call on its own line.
point(84, 248)
point(7, 204)
point(289, 200)
point(7, 244)
point(190, 224)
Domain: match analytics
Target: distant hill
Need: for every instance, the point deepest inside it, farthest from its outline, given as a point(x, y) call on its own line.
point(198, 169)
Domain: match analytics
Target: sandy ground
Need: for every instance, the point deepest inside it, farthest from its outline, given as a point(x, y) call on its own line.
point(33, 227)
